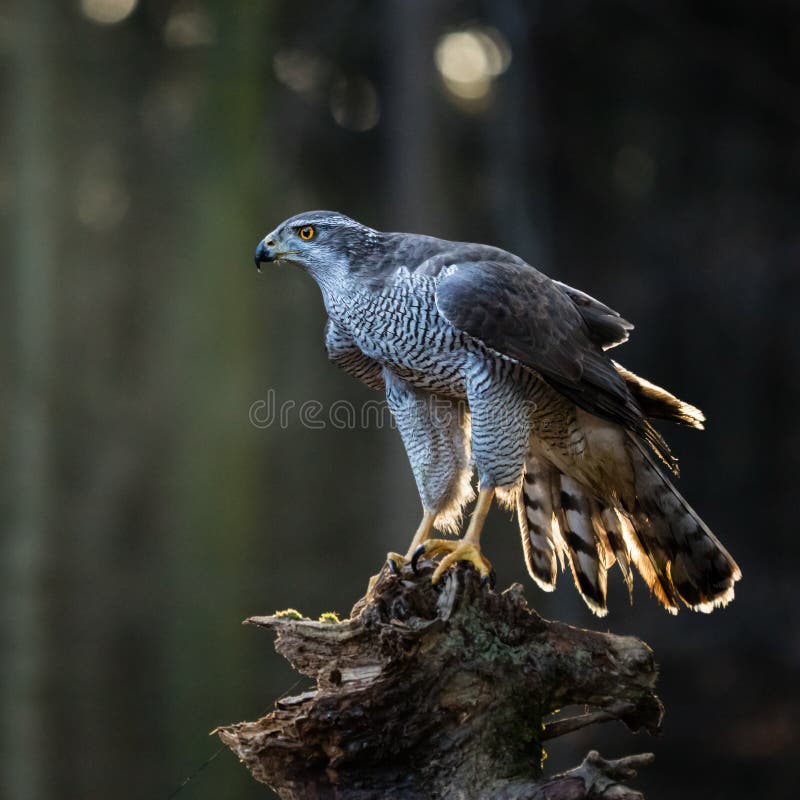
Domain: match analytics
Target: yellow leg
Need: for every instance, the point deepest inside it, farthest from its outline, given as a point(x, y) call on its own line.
point(422, 534)
point(466, 549)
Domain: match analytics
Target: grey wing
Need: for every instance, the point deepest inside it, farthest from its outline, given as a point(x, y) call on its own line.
point(345, 353)
point(522, 314)
point(606, 327)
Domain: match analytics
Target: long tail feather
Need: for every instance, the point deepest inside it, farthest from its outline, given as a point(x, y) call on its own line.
point(658, 403)
point(613, 523)
point(535, 514)
point(604, 548)
point(689, 562)
point(587, 564)
point(659, 533)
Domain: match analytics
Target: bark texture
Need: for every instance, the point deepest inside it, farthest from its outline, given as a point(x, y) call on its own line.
point(444, 692)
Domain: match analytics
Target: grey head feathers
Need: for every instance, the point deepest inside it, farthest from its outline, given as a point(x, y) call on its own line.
point(328, 219)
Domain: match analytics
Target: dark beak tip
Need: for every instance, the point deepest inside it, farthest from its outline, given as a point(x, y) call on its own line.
point(262, 254)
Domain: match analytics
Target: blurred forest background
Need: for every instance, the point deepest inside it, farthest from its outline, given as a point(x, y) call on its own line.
point(648, 153)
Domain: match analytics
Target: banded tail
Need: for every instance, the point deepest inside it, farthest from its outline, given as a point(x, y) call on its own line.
point(677, 554)
point(535, 507)
point(673, 550)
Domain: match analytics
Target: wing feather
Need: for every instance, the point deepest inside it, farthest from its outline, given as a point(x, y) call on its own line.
point(522, 314)
point(606, 327)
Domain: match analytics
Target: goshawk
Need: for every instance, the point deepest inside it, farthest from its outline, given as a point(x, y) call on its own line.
point(490, 366)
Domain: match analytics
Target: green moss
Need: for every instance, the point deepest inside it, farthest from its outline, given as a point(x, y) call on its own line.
point(290, 613)
point(330, 616)
point(582, 656)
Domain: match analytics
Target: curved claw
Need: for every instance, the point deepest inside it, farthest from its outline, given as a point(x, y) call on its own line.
point(490, 579)
point(395, 562)
point(415, 558)
point(454, 551)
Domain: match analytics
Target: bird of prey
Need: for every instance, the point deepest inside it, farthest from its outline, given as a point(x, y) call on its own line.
point(489, 366)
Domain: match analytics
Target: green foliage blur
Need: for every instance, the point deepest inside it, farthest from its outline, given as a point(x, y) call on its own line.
point(646, 153)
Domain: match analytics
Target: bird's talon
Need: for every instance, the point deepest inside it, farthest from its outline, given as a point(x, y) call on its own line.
point(415, 558)
point(395, 562)
point(458, 550)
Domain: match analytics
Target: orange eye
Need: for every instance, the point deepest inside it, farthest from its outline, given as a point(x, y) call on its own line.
point(307, 233)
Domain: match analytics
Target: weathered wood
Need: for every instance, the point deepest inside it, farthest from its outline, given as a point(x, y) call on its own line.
point(442, 692)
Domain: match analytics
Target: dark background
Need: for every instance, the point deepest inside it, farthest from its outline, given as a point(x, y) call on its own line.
point(647, 153)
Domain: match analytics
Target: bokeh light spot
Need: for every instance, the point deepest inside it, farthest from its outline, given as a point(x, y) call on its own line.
point(355, 104)
point(461, 58)
point(470, 59)
point(107, 12)
point(299, 70)
point(496, 49)
point(189, 25)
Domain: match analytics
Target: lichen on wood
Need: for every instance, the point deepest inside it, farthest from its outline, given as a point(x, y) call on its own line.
point(444, 692)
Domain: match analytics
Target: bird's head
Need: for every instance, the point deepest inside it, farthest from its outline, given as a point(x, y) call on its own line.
point(321, 242)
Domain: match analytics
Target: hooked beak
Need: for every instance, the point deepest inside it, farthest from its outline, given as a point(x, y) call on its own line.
point(264, 253)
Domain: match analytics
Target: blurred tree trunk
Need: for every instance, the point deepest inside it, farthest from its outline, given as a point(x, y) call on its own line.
point(415, 202)
point(25, 556)
point(213, 497)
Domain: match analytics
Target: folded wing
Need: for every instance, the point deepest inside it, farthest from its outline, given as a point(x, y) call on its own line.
point(522, 314)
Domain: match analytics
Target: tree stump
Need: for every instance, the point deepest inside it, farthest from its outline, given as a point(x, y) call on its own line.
point(444, 692)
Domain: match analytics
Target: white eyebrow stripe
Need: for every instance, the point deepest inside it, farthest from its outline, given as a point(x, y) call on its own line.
point(345, 221)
